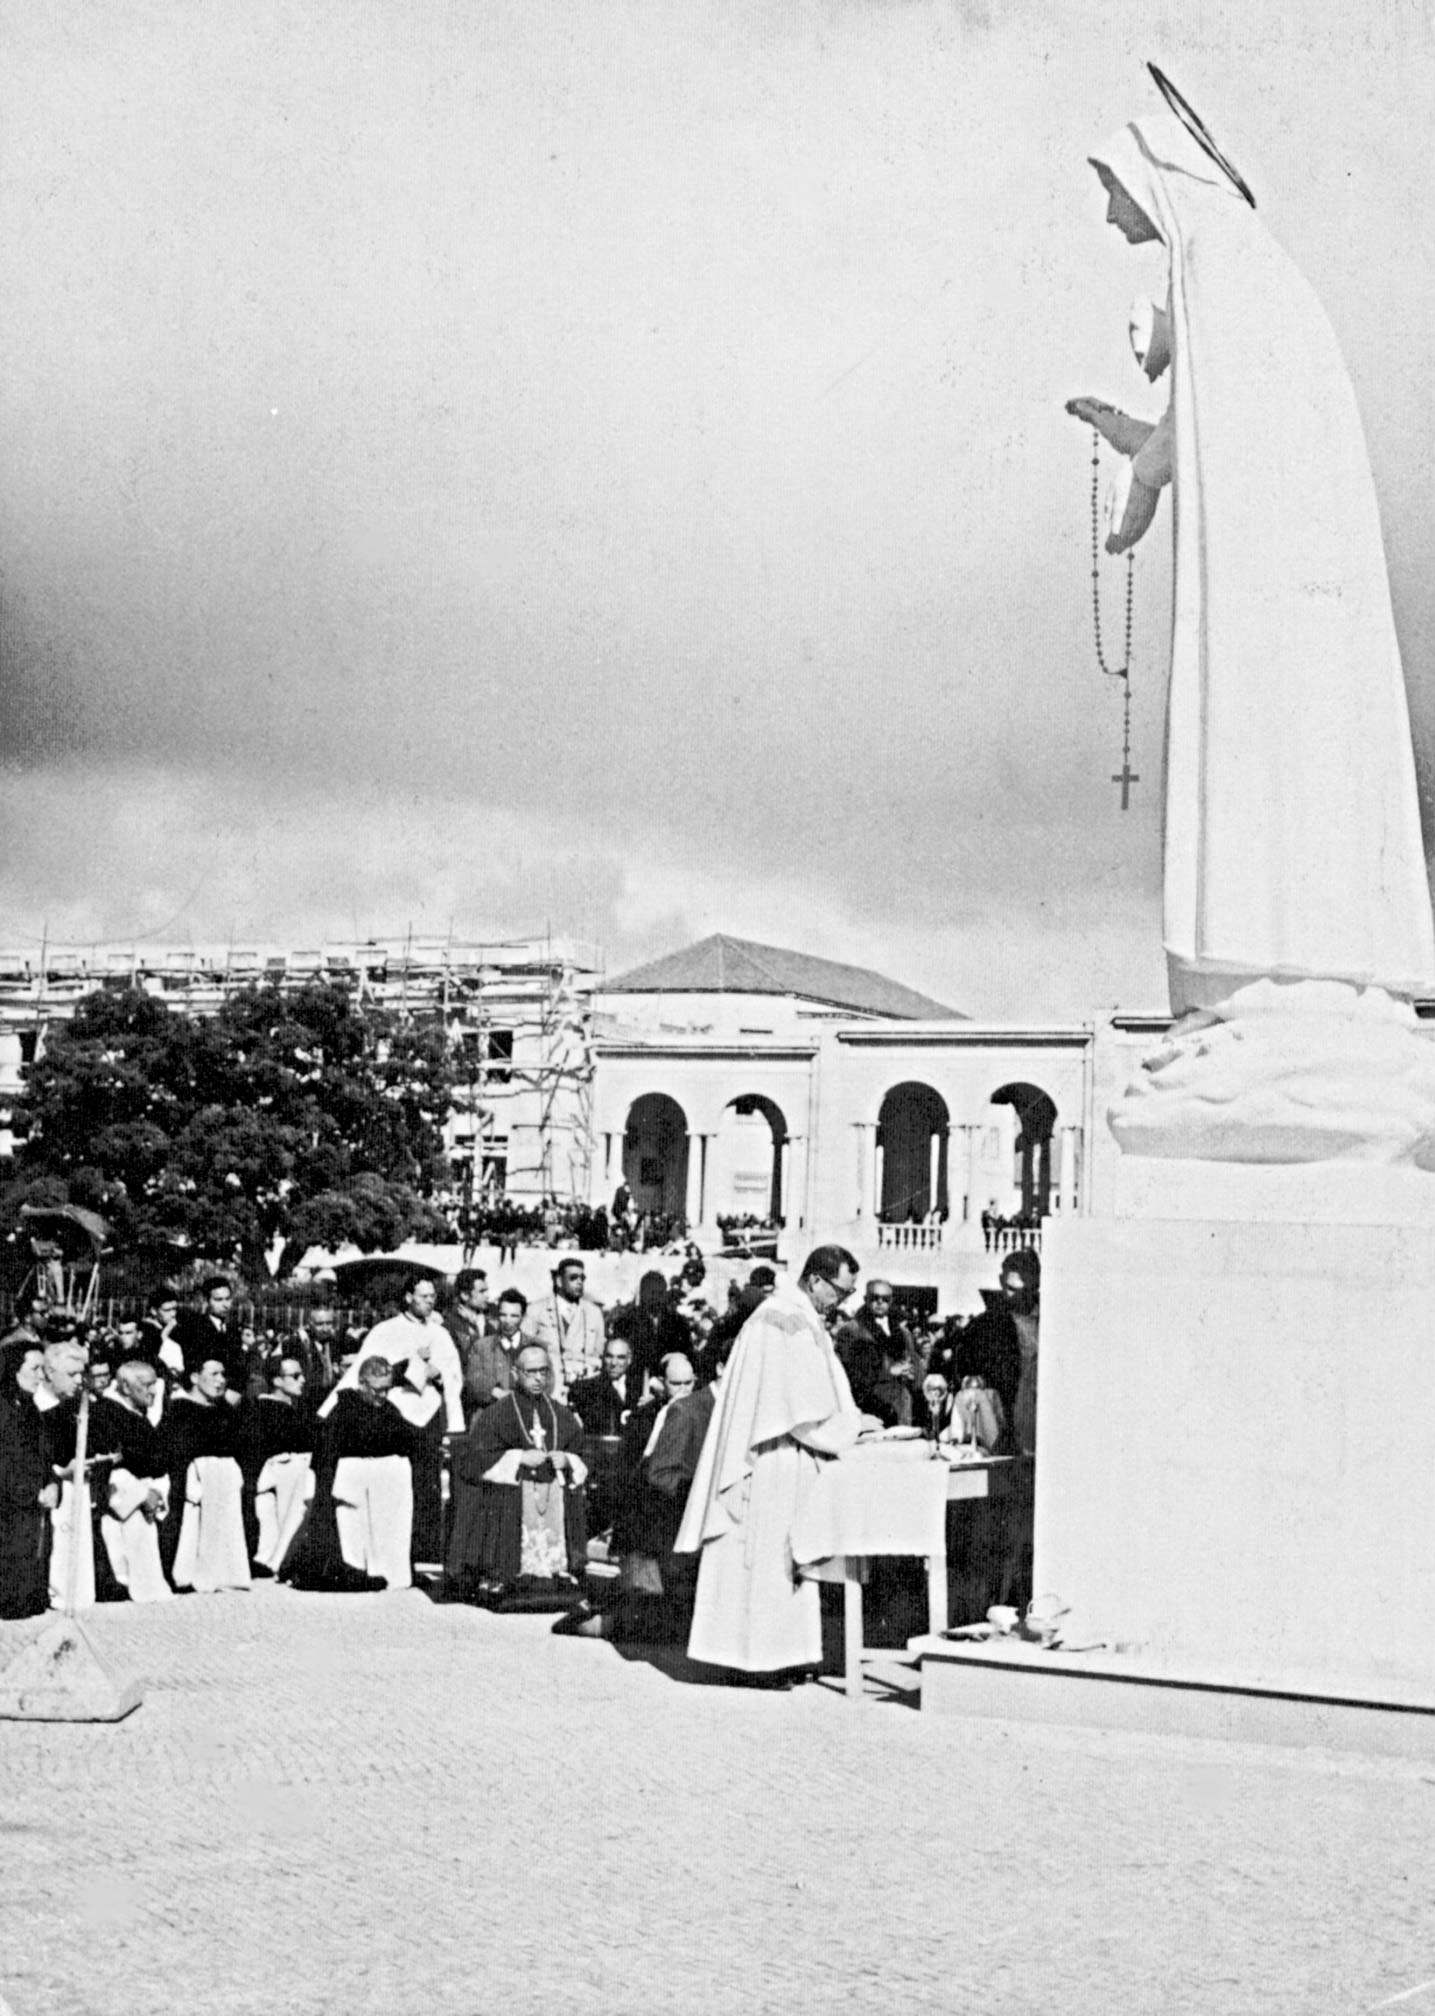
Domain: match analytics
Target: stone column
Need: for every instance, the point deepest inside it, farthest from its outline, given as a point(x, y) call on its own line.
point(971, 1135)
point(794, 1180)
point(861, 1129)
point(934, 1168)
point(879, 1162)
point(693, 1205)
point(1070, 1148)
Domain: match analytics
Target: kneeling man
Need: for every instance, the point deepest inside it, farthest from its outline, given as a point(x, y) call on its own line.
point(137, 1496)
point(519, 1511)
point(200, 1438)
point(372, 1448)
point(280, 1437)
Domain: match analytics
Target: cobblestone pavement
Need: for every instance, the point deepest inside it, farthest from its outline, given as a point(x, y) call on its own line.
point(358, 1804)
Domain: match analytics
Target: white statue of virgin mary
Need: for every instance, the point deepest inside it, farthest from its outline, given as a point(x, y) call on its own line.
point(1297, 921)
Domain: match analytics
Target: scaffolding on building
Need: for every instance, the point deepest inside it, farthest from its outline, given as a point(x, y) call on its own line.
point(518, 1013)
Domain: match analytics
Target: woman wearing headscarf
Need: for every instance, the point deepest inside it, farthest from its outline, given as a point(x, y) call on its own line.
point(28, 1491)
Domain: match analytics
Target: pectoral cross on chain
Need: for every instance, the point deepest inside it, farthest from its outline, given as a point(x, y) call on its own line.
point(1126, 777)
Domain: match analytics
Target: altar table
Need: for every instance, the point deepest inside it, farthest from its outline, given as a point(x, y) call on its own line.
point(891, 1498)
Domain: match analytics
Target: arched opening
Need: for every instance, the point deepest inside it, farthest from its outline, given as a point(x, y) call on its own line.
point(912, 1147)
point(1031, 1170)
point(655, 1154)
point(748, 1179)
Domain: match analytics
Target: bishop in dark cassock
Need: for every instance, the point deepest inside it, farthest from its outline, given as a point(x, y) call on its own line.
point(519, 1513)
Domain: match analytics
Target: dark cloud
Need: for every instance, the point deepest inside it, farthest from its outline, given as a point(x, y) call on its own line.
point(643, 433)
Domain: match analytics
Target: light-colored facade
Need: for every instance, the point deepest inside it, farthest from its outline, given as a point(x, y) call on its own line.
point(518, 1014)
point(924, 1145)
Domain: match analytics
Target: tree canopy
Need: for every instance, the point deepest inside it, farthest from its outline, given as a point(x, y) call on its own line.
point(311, 1117)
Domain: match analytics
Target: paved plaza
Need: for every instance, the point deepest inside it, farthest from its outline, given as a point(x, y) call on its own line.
point(378, 1804)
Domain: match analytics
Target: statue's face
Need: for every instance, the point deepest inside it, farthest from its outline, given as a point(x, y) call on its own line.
point(1123, 211)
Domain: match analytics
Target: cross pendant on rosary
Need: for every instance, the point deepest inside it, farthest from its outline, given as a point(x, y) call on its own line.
point(1126, 776)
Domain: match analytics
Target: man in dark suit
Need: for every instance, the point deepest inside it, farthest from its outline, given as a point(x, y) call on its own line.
point(879, 1358)
point(604, 1402)
point(213, 1333)
point(991, 1346)
point(486, 1370)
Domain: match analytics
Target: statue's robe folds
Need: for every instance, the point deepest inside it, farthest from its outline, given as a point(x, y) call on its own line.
point(783, 1408)
point(1292, 845)
point(510, 1522)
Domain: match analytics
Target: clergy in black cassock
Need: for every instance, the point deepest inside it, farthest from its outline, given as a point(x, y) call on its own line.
point(278, 1434)
point(359, 1527)
point(25, 1474)
point(202, 1544)
point(519, 1515)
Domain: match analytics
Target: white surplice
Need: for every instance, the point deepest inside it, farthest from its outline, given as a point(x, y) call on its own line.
point(131, 1541)
point(212, 1553)
point(63, 1523)
point(282, 1490)
point(374, 1512)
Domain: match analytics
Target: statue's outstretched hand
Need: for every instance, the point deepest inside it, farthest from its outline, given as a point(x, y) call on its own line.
point(1126, 435)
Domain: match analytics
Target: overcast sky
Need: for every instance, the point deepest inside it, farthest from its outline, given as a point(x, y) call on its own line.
point(595, 467)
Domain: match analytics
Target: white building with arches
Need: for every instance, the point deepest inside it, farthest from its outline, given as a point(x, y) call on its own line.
point(737, 1080)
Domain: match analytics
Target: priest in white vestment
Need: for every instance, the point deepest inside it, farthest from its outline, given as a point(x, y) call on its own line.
point(416, 1332)
point(784, 1408)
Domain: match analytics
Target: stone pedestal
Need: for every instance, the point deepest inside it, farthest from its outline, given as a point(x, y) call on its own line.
point(50, 1672)
point(1237, 1427)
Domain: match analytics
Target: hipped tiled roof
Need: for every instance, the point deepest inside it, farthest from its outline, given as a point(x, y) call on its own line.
point(723, 965)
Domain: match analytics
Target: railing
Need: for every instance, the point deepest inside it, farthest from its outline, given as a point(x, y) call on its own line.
point(910, 1238)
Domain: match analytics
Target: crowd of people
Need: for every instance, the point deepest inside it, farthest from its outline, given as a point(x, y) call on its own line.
point(504, 1222)
point(518, 1454)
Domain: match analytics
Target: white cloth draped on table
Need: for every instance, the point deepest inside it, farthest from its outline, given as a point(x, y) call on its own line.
point(282, 1490)
point(212, 1553)
point(374, 1512)
point(1292, 846)
point(131, 1541)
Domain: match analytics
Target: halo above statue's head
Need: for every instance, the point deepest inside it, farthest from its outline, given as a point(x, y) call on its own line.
point(1196, 126)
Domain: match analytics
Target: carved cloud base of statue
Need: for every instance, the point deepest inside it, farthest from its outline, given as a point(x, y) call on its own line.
point(1297, 1071)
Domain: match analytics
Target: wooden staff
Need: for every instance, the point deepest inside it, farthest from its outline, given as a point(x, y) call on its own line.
point(79, 1508)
